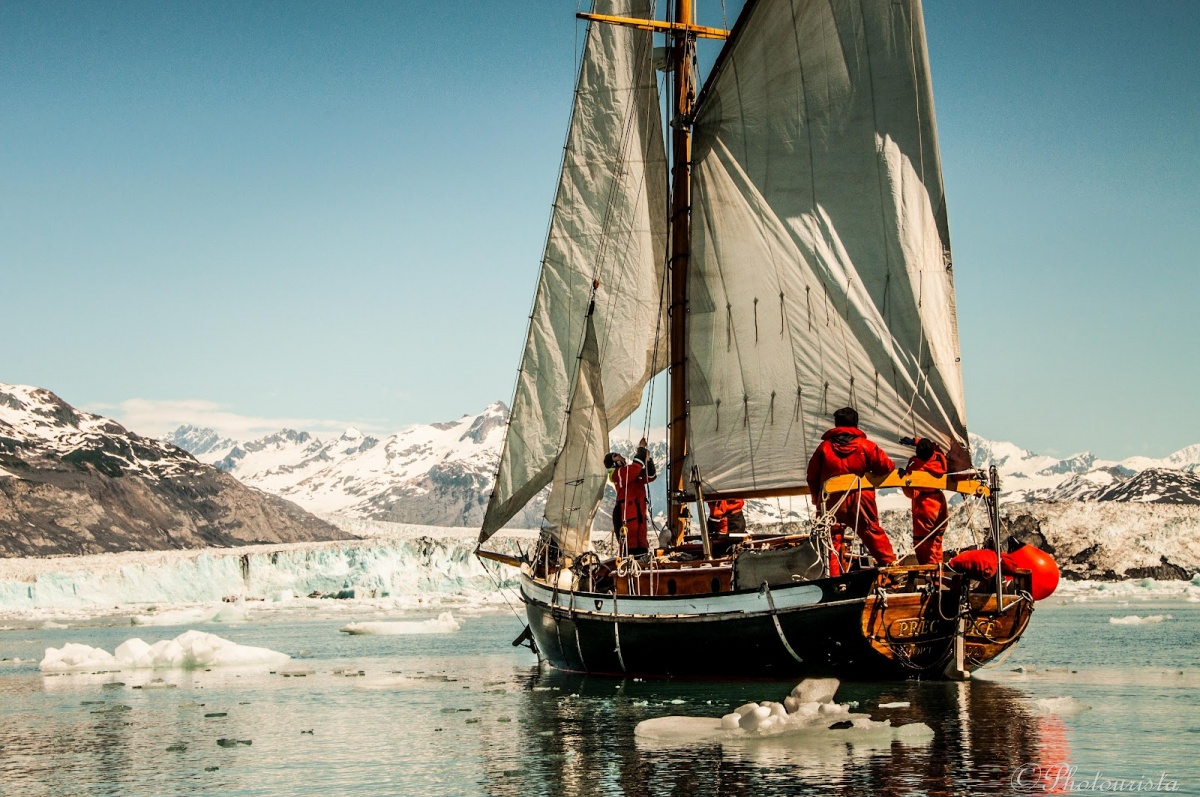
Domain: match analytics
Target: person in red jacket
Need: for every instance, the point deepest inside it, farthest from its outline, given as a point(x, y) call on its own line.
point(929, 510)
point(630, 480)
point(726, 516)
point(845, 449)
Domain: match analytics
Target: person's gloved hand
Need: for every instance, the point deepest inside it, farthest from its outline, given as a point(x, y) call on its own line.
point(908, 441)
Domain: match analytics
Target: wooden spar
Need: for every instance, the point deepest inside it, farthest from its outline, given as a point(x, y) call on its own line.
point(502, 558)
point(683, 95)
point(841, 484)
point(925, 481)
point(658, 27)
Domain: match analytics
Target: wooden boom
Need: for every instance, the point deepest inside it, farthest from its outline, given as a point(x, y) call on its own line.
point(927, 481)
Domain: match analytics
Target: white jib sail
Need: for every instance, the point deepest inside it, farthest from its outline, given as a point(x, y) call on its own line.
point(820, 272)
point(579, 473)
point(609, 224)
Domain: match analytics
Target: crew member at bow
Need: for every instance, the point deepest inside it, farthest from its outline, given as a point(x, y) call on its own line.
point(929, 509)
point(845, 449)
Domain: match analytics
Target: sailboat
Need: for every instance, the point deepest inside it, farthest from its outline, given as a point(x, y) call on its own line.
point(787, 255)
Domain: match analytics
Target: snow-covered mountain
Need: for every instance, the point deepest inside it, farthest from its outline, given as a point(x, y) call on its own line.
point(74, 482)
point(439, 473)
point(442, 473)
point(1026, 476)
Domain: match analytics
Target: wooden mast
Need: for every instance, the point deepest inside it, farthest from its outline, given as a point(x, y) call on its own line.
point(682, 96)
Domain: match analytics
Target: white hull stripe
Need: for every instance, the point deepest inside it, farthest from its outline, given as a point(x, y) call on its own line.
point(584, 603)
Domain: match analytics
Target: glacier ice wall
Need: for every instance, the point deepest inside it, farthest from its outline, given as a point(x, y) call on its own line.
point(372, 568)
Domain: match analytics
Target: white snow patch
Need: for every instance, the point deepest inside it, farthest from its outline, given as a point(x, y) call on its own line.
point(190, 650)
point(444, 623)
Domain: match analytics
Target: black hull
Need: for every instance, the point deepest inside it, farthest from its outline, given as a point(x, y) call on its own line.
point(826, 636)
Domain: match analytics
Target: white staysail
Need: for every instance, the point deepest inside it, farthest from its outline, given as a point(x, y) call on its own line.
point(609, 225)
point(579, 473)
point(820, 273)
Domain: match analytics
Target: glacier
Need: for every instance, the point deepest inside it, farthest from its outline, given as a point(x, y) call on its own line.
point(411, 562)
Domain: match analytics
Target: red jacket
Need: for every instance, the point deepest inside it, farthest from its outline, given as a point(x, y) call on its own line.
point(845, 449)
point(717, 510)
point(934, 466)
point(630, 481)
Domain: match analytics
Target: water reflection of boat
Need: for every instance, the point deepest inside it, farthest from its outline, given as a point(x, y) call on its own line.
point(802, 263)
point(579, 741)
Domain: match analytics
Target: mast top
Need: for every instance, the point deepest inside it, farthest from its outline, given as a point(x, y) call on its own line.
point(698, 31)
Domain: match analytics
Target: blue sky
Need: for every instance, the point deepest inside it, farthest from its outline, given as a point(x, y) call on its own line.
point(328, 213)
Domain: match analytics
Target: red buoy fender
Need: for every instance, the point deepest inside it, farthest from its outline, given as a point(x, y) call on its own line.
point(1042, 566)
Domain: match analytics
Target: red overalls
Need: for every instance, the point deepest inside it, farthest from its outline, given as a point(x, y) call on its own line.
point(630, 510)
point(929, 510)
point(843, 450)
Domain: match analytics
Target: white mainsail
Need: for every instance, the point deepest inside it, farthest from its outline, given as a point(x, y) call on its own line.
point(820, 273)
point(609, 225)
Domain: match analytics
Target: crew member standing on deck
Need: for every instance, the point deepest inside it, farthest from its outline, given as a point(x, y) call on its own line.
point(630, 480)
point(929, 510)
point(726, 516)
point(845, 449)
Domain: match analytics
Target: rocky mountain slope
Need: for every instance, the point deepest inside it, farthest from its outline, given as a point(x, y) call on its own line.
point(74, 482)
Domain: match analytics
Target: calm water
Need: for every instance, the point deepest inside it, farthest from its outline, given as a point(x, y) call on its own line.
point(466, 714)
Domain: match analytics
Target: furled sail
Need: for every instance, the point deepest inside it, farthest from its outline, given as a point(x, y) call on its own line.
point(609, 224)
point(579, 473)
point(820, 274)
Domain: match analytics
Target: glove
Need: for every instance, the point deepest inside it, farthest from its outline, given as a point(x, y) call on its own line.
point(908, 441)
point(900, 472)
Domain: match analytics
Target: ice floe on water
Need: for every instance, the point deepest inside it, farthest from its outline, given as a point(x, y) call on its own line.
point(1142, 589)
point(225, 613)
point(444, 623)
point(808, 715)
point(190, 650)
point(1062, 706)
point(1133, 619)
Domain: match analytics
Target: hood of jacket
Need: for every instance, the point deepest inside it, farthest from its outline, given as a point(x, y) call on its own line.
point(844, 439)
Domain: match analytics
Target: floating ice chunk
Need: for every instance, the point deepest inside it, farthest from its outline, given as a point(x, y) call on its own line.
point(816, 690)
point(50, 625)
point(189, 650)
point(74, 656)
point(444, 623)
point(811, 721)
point(230, 613)
point(174, 617)
point(897, 704)
point(1133, 619)
point(1065, 706)
point(225, 613)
